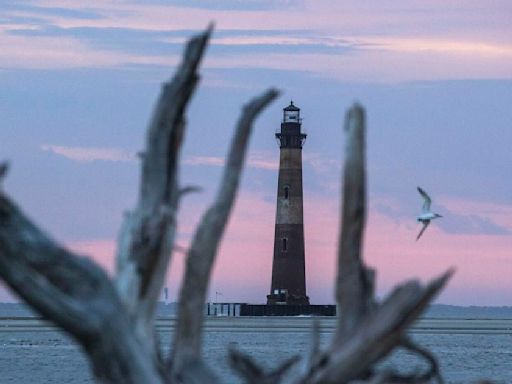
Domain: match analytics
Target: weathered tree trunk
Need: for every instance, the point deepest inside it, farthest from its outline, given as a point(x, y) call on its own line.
point(114, 320)
point(147, 235)
point(77, 295)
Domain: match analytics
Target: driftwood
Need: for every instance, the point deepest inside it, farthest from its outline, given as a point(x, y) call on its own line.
point(200, 258)
point(113, 320)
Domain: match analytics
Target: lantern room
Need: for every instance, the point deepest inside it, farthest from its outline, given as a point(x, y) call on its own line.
point(291, 114)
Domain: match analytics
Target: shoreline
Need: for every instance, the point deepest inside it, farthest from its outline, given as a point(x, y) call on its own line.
point(278, 324)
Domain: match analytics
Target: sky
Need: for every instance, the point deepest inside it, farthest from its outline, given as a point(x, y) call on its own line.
point(78, 81)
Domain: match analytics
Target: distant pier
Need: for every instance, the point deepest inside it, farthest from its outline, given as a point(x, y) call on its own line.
point(244, 309)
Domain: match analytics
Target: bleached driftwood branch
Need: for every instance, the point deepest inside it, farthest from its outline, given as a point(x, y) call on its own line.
point(201, 255)
point(367, 331)
point(354, 284)
point(252, 373)
point(74, 293)
point(147, 235)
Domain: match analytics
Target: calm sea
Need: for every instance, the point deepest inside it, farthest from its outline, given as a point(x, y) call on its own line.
point(32, 352)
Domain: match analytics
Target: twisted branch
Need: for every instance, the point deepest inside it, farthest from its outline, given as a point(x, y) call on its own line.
point(252, 373)
point(201, 255)
point(147, 234)
point(354, 289)
point(366, 331)
point(74, 293)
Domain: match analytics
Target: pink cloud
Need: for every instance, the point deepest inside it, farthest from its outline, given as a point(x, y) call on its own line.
point(88, 154)
point(318, 15)
point(243, 267)
point(244, 262)
point(359, 65)
point(255, 160)
point(481, 261)
point(363, 42)
point(62, 52)
point(215, 161)
point(387, 35)
point(269, 161)
point(322, 164)
point(501, 214)
point(242, 271)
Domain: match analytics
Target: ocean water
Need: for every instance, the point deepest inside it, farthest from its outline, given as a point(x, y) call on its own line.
point(41, 354)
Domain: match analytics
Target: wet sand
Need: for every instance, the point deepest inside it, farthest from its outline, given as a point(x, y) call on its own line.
point(287, 324)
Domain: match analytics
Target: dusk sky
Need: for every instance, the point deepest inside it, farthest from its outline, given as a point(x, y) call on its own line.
point(78, 80)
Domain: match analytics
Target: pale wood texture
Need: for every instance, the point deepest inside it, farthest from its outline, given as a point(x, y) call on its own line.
point(147, 235)
point(252, 373)
point(74, 293)
point(367, 331)
point(201, 255)
point(354, 287)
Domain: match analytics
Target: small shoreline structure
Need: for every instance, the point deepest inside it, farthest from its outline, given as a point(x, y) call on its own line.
point(168, 310)
point(245, 309)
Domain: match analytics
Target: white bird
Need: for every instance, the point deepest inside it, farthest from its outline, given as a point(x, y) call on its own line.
point(426, 215)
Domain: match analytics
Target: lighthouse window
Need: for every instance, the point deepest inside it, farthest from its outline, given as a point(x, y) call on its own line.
point(286, 192)
point(285, 244)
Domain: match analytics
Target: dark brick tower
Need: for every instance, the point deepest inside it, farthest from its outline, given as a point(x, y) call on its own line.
point(288, 268)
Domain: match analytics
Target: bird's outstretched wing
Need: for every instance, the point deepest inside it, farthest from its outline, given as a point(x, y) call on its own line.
point(425, 225)
point(427, 200)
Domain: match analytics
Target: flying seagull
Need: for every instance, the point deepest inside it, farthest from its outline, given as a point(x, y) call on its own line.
point(426, 215)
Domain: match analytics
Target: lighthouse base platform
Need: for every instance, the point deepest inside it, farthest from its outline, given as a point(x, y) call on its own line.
point(287, 310)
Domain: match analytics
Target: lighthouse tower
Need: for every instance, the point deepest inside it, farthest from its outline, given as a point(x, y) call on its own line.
point(288, 267)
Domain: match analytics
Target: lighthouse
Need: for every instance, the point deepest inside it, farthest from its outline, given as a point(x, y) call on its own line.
point(288, 284)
